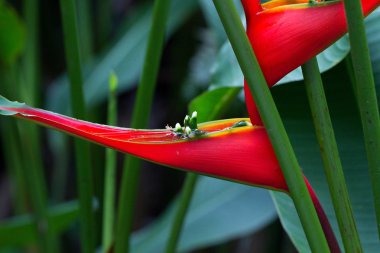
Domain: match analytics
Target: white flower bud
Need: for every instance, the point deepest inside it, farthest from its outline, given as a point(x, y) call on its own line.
point(178, 128)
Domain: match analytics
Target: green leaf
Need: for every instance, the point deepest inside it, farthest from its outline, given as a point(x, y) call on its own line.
point(326, 60)
point(349, 135)
point(22, 230)
point(12, 34)
point(211, 104)
point(219, 211)
point(212, 18)
point(226, 70)
point(125, 57)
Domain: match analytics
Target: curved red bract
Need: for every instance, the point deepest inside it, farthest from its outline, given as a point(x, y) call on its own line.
point(242, 154)
point(284, 37)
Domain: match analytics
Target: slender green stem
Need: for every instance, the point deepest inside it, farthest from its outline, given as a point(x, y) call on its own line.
point(60, 176)
point(32, 160)
point(12, 145)
point(30, 134)
point(31, 59)
point(110, 177)
point(366, 95)
point(330, 156)
point(191, 181)
point(183, 205)
point(85, 29)
point(139, 120)
point(36, 182)
point(82, 149)
point(274, 126)
point(12, 154)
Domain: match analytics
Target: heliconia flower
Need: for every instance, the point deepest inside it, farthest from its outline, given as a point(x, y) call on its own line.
point(284, 34)
point(230, 149)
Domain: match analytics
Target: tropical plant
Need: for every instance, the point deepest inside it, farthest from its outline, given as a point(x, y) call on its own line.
point(281, 36)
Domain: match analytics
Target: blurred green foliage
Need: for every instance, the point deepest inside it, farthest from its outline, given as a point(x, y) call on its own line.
point(12, 34)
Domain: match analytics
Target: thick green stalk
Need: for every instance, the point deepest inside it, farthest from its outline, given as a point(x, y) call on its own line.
point(183, 205)
point(110, 176)
point(274, 126)
point(330, 156)
point(140, 118)
point(82, 148)
point(366, 95)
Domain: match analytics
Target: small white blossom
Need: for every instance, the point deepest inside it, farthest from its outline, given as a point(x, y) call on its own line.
point(187, 130)
point(177, 127)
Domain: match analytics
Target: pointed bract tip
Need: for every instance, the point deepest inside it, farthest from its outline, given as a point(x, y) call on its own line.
point(5, 103)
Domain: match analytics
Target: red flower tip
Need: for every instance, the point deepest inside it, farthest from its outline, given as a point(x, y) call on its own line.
point(286, 33)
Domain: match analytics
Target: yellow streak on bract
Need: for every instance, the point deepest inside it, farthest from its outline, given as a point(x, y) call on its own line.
point(276, 3)
point(297, 6)
point(220, 124)
point(225, 132)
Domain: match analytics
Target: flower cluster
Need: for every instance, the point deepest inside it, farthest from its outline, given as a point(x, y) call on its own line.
point(189, 128)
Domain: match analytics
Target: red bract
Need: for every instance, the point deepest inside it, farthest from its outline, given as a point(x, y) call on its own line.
point(286, 33)
point(243, 154)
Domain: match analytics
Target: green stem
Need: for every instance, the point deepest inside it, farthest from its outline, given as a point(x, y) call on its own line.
point(82, 148)
point(12, 145)
point(31, 137)
point(60, 176)
point(330, 156)
point(183, 205)
point(31, 59)
point(366, 95)
point(12, 154)
point(31, 158)
point(139, 120)
point(36, 182)
point(274, 126)
point(85, 29)
point(191, 180)
point(109, 180)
